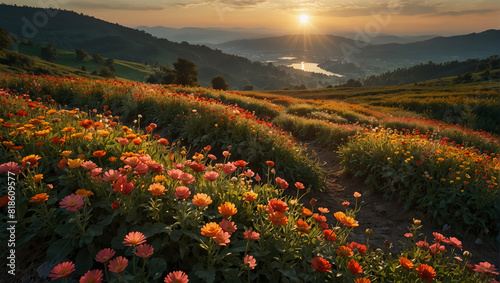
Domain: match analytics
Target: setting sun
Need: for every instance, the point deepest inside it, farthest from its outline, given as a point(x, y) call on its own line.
point(304, 19)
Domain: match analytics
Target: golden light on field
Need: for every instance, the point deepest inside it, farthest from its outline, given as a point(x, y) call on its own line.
point(304, 19)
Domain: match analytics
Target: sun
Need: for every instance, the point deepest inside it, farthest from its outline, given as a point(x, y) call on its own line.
point(304, 19)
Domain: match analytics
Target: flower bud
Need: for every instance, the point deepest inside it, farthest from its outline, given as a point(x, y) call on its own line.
point(467, 254)
point(313, 201)
point(369, 232)
point(417, 221)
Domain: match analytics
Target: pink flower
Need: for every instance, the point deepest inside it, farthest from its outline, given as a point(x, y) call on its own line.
point(132, 161)
point(485, 268)
point(155, 166)
point(454, 242)
point(409, 235)
point(104, 255)
point(422, 245)
point(96, 172)
point(145, 250)
point(179, 166)
point(249, 173)
point(111, 176)
point(211, 156)
point(257, 177)
point(226, 153)
point(123, 141)
point(92, 276)
point(282, 183)
point(134, 239)
point(251, 235)
point(345, 204)
point(10, 167)
point(141, 169)
point(222, 238)
point(211, 175)
point(175, 174)
point(250, 261)
point(118, 264)
point(182, 192)
point(187, 178)
point(437, 248)
point(228, 226)
point(72, 202)
point(62, 270)
point(88, 165)
point(176, 277)
point(229, 168)
point(438, 237)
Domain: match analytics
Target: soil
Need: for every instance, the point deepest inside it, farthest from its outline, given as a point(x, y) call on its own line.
point(386, 218)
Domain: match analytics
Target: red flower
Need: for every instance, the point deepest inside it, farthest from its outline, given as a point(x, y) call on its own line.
point(276, 205)
point(354, 267)
point(302, 227)
point(329, 235)
point(319, 218)
point(92, 276)
point(176, 277)
point(104, 255)
point(240, 163)
point(357, 246)
point(320, 264)
point(115, 205)
point(485, 268)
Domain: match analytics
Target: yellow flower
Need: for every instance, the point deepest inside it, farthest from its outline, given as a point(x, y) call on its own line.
point(103, 133)
point(74, 163)
point(160, 179)
point(66, 153)
point(38, 177)
point(43, 133)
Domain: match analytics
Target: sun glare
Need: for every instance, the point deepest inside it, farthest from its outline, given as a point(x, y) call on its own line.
point(304, 19)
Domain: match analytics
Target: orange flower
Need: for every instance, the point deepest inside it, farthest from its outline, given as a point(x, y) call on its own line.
point(86, 123)
point(68, 130)
point(345, 251)
point(302, 227)
point(426, 272)
point(32, 159)
point(137, 141)
point(406, 263)
point(249, 197)
point(157, 189)
point(357, 195)
point(134, 238)
point(202, 200)
point(323, 210)
point(99, 153)
point(354, 267)
point(84, 193)
point(346, 220)
point(320, 264)
point(362, 280)
point(270, 163)
point(277, 205)
point(74, 163)
point(38, 177)
point(227, 209)
point(306, 212)
point(66, 153)
point(40, 198)
point(211, 229)
point(329, 235)
point(278, 218)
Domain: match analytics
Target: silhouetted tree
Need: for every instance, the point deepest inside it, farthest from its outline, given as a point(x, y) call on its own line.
point(106, 72)
point(249, 87)
point(97, 58)
point(185, 72)
point(82, 55)
point(218, 82)
point(49, 53)
point(4, 39)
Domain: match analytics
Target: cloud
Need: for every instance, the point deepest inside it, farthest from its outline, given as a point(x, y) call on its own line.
point(468, 12)
point(112, 6)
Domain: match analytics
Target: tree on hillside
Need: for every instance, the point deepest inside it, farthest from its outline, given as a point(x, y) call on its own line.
point(98, 58)
point(4, 39)
point(82, 55)
point(185, 72)
point(218, 82)
point(164, 75)
point(49, 53)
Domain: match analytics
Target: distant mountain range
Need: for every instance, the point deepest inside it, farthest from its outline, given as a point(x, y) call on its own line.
point(69, 30)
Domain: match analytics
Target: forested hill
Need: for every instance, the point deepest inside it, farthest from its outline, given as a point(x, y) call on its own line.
point(431, 70)
point(68, 30)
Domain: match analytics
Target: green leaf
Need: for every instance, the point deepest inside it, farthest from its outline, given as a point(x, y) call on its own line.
point(59, 249)
point(156, 267)
point(153, 229)
point(208, 275)
point(175, 235)
point(290, 273)
point(84, 261)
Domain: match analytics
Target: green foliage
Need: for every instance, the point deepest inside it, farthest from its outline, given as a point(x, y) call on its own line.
point(19, 60)
point(219, 83)
point(4, 39)
point(185, 72)
point(49, 53)
point(98, 58)
point(82, 55)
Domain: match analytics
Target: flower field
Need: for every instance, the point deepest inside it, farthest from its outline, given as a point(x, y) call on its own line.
point(129, 182)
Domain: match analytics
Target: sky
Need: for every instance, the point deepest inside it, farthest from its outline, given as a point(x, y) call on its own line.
point(399, 17)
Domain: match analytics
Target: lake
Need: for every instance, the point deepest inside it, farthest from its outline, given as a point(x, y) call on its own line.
point(312, 67)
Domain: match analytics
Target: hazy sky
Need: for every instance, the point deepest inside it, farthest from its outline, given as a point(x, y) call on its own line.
point(325, 16)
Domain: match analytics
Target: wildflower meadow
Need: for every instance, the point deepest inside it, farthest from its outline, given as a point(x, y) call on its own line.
point(114, 181)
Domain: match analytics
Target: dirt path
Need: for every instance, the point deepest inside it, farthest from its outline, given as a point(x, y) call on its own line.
point(387, 220)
